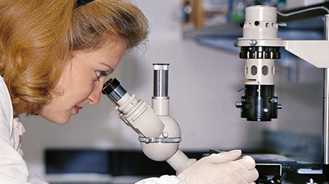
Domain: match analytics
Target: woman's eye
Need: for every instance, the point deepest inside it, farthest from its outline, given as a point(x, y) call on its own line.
point(100, 74)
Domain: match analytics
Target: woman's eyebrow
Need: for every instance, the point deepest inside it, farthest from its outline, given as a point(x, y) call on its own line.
point(108, 66)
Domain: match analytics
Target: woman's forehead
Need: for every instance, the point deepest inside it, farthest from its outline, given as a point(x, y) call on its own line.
point(110, 53)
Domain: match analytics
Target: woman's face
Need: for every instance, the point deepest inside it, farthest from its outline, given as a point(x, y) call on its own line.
point(82, 80)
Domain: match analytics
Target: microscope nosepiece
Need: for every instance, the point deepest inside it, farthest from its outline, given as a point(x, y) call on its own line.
point(259, 103)
point(113, 89)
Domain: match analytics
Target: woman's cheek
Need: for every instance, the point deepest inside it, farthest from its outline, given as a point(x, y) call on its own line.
point(89, 90)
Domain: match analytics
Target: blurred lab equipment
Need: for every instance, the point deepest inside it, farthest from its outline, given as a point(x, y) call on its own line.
point(202, 13)
point(159, 134)
point(259, 102)
point(260, 47)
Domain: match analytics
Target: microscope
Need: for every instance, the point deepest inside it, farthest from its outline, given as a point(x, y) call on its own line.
point(260, 47)
point(158, 133)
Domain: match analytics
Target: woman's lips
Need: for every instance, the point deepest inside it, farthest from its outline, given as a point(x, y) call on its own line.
point(76, 109)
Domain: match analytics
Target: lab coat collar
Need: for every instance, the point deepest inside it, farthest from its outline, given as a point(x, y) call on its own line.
point(16, 138)
point(7, 106)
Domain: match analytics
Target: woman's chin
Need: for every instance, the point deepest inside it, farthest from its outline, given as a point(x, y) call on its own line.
point(62, 121)
point(59, 118)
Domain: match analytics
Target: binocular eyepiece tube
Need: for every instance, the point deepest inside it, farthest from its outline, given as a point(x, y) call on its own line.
point(113, 89)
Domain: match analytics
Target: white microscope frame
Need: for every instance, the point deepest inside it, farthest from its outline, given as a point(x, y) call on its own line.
point(159, 134)
point(315, 52)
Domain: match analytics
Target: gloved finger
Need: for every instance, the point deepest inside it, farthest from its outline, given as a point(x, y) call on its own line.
point(224, 157)
point(238, 178)
point(251, 175)
point(247, 162)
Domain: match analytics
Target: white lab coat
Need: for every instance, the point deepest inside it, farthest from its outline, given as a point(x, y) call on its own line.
point(13, 169)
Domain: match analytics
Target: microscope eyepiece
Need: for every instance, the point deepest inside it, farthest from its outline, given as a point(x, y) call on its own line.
point(113, 89)
point(110, 86)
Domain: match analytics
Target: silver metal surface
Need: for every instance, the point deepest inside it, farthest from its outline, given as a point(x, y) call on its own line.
point(326, 103)
point(161, 66)
point(259, 104)
point(148, 140)
point(160, 86)
point(117, 94)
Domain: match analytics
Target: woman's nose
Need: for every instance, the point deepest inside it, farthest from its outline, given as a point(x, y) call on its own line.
point(95, 96)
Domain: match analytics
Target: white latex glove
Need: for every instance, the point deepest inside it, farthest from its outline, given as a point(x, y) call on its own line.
point(222, 168)
point(162, 180)
point(37, 180)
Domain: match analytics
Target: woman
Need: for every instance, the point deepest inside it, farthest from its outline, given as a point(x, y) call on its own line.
point(54, 57)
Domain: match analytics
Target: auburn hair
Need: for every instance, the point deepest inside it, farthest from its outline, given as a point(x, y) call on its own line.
point(37, 37)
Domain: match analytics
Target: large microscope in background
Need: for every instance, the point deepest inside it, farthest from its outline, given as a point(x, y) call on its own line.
point(260, 48)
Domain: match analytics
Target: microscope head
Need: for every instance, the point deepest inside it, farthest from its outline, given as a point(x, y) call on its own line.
point(259, 102)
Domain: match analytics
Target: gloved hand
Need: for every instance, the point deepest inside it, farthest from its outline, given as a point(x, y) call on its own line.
point(222, 168)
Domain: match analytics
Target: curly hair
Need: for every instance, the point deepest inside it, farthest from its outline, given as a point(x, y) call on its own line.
point(38, 37)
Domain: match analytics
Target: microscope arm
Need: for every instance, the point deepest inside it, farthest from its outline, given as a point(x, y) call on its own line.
point(315, 52)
